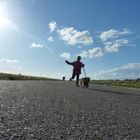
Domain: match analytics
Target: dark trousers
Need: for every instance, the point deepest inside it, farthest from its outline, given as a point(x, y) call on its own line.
point(77, 78)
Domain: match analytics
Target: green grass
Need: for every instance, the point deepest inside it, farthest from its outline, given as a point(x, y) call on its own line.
point(134, 83)
point(8, 76)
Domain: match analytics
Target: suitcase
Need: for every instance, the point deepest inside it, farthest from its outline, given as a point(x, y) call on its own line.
point(84, 82)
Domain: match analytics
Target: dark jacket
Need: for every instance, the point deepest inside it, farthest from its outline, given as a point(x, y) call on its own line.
point(77, 65)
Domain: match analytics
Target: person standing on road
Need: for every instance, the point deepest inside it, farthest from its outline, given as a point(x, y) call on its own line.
point(77, 65)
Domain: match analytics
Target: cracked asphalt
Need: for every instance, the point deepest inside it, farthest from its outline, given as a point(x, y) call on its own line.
point(58, 110)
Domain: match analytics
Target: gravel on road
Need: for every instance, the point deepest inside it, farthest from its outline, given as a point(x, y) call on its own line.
point(58, 110)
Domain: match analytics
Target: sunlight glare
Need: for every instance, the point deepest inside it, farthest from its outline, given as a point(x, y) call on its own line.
point(4, 22)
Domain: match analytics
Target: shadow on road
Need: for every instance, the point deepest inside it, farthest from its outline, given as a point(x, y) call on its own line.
point(115, 92)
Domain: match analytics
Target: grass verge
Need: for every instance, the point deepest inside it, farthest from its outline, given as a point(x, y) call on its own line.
point(8, 76)
point(134, 83)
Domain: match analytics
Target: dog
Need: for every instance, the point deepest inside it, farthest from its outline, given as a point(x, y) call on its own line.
point(84, 82)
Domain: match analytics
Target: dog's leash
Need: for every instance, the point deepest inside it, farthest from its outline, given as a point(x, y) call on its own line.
point(84, 72)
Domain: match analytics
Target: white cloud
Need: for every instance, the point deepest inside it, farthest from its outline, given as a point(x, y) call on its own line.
point(50, 39)
point(112, 33)
point(80, 47)
point(113, 41)
point(52, 26)
point(131, 71)
point(84, 54)
point(95, 52)
point(65, 55)
point(35, 45)
point(72, 37)
point(16, 67)
point(9, 60)
point(115, 46)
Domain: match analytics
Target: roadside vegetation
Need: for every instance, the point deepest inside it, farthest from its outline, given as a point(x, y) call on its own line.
point(8, 76)
point(134, 83)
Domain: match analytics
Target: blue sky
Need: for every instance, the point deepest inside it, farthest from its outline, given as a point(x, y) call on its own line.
point(37, 36)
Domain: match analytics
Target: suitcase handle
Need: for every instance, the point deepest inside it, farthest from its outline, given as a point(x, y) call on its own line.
point(84, 72)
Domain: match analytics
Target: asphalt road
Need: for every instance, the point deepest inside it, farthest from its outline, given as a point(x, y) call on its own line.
point(57, 110)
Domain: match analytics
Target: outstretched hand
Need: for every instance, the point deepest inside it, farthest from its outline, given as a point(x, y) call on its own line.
point(66, 61)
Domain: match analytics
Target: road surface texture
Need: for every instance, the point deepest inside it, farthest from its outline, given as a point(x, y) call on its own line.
point(57, 110)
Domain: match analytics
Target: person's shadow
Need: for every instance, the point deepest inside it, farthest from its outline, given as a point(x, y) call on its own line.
point(114, 92)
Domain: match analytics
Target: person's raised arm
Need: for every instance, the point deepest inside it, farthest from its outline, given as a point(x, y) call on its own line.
point(68, 62)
